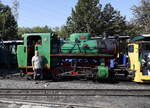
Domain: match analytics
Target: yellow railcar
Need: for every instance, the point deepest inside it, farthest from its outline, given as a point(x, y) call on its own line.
point(139, 57)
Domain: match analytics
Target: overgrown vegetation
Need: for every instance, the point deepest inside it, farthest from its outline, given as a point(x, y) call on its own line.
point(87, 16)
point(142, 17)
point(8, 25)
point(45, 29)
point(91, 16)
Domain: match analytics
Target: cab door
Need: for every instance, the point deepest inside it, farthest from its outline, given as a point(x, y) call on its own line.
point(22, 55)
point(133, 52)
point(44, 49)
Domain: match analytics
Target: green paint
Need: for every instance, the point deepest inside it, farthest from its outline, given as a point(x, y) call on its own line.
point(102, 71)
point(137, 38)
point(22, 55)
point(75, 36)
point(74, 47)
point(44, 48)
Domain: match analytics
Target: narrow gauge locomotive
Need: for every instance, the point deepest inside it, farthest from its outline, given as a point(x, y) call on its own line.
point(139, 57)
point(80, 56)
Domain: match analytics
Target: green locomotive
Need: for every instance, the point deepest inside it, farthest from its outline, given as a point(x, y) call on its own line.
point(81, 43)
point(80, 56)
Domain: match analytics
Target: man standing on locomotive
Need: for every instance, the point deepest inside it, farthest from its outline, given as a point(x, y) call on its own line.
point(37, 64)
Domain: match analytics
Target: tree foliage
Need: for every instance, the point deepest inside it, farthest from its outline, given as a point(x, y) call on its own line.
point(84, 16)
point(113, 22)
point(61, 31)
point(8, 25)
point(89, 16)
point(142, 16)
point(45, 29)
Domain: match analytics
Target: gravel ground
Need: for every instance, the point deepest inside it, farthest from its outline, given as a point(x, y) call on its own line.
point(99, 101)
point(6, 83)
point(74, 84)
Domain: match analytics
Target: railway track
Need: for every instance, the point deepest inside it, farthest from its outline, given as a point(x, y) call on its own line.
point(74, 92)
point(52, 98)
point(49, 104)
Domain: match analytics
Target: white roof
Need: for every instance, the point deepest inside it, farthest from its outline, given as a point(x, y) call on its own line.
point(12, 41)
point(146, 35)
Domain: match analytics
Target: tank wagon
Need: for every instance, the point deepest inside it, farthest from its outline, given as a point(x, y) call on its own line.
point(80, 56)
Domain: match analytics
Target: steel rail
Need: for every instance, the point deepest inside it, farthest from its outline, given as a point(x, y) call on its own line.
point(74, 92)
point(48, 104)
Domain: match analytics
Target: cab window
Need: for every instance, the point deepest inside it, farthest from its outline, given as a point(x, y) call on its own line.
point(131, 48)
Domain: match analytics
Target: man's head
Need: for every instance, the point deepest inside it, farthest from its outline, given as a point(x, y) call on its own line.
point(36, 53)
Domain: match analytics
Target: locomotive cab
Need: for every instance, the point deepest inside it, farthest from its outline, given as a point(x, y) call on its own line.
point(139, 54)
point(32, 42)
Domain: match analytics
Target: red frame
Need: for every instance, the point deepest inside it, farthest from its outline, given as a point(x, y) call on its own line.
point(26, 67)
point(80, 55)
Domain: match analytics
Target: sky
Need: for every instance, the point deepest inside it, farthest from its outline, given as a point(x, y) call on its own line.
point(54, 13)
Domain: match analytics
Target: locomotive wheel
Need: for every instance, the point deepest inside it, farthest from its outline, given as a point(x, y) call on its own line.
point(94, 75)
point(55, 74)
point(22, 74)
point(29, 77)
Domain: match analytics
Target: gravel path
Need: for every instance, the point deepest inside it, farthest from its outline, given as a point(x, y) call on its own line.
point(6, 83)
point(21, 83)
point(101, 101)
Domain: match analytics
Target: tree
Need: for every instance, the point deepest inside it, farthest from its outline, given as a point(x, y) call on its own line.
point(113, 22)
point(89, 16)
point(132, 29)
point(8, 25)
point(85, 17)
point(142, 16)
point(22, 30)
point(61, 31)
point(44, 29)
